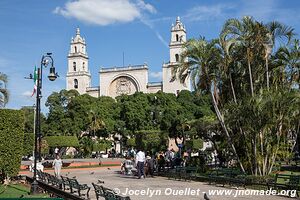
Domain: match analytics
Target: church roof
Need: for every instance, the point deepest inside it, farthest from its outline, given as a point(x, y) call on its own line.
point(178, 25)
point(78, 38)
point(125, 68)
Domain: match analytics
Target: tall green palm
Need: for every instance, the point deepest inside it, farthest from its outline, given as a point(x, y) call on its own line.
point(201, 60)
point(276, 31)
point(96, 123)
point(4, 95)
point(245, 33)
point(287, 61)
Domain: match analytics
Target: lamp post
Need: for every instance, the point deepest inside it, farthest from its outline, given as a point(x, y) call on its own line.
point(46, 60)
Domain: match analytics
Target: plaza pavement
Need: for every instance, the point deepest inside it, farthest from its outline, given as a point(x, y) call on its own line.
point(161, 186)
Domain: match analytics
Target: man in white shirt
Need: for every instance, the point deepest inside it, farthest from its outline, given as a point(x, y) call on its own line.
point(140, 162)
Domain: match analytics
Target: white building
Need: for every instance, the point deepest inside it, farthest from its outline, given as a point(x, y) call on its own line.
point(124, 80)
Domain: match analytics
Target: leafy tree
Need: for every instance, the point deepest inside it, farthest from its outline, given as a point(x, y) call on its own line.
point(102, 145)
point(250, 83)
point(11, 146)
point(28, 144)
point(62, 141)
point(58, 122)
point(86, 145)
point(4, 95)
point(29, 120)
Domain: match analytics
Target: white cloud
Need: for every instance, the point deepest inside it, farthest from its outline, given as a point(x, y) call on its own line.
point(156, 74)
point(104, 12)
point(211, 12)
point(150, 24)
point(145, 6)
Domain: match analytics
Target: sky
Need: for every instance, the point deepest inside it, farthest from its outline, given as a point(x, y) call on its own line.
point(138, 28)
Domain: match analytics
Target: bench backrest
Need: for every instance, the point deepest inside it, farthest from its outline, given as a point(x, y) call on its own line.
point(98, 190)
point(73, 182)
point(110, 195)
point(291, 179)
point(294, 180)
point(65, 180)
point(121, 198)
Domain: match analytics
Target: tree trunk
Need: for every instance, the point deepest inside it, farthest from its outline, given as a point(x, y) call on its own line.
point(232, 88)
point(250, 72)
point(267, 72)
point(221, 120)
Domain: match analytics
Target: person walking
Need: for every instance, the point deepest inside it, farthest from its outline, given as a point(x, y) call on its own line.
point(57, 164)
point(140, 162)
point(56, 150)
point(150, 162)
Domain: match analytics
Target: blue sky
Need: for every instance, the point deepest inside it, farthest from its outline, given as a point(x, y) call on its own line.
point(140, 29)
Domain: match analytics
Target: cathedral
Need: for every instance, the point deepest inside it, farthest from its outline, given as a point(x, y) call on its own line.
point(124, 80)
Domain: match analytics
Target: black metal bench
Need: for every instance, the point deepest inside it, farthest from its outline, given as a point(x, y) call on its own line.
point(99, 191)
point(41, 176)
point(174, 173)
point(55, 181)
point(182, 173)
point(285, 182)
point(227, 176)
point(107, 193)
point(65, 183)
point(110, 195)
point(188, 172)
point(76, 187)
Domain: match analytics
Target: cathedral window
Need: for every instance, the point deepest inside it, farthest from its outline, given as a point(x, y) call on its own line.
point(75, 48)
point(177, 57)
point(75, 83)
point(74, 66)
point(177, 37)
point(83, 65)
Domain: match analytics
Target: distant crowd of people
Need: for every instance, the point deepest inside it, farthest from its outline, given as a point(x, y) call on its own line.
point(146, 163)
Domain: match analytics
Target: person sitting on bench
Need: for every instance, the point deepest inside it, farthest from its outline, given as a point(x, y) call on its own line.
point(127, 166)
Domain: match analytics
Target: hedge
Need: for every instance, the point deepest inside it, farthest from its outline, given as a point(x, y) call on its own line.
point(11, 145)
point(28, 145)
point(62, 141)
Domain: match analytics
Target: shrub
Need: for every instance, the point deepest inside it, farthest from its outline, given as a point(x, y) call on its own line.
point(11, 145)
point(102, 145)
point(28, 144)
point(62, 141)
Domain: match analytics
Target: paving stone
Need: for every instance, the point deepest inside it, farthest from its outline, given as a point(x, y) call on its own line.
point(160, 187)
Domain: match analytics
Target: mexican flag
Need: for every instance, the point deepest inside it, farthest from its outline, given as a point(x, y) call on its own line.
point(35, 81)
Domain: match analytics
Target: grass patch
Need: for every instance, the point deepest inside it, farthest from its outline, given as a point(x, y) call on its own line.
point(17, 191)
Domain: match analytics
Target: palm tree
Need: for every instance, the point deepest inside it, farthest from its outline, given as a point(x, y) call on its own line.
point(247, 34)
point(203, 58)
point(96, 123)
point(287, 59)
point(276, 30)
point(4, 95)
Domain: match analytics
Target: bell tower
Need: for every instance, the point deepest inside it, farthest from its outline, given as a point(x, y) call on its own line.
point(78, 75)
point(178, 38)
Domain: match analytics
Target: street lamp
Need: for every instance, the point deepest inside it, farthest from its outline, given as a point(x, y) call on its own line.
point(46, 60)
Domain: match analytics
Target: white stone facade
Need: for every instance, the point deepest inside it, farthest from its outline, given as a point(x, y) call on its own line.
point(78, 76)
point(124, 80)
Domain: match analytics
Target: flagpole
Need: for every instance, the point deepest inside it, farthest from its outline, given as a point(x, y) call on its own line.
point(34, 118)
point(34, 185)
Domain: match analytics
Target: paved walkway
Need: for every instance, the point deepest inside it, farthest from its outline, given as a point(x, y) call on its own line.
point(159, 188)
